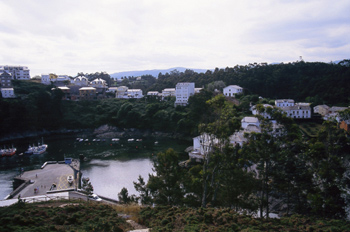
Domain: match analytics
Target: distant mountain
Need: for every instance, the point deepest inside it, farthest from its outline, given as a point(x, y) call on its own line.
point(153, 72)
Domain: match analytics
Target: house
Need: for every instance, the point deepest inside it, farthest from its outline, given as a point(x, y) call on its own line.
point(81, 81)
point(321, 109)
point(168, 92)
point(298, 110)
point(333, 113)
point(246, 121)
point(17, 72)
point(112, 90)
point(202, 145)
point(264, 114)
point(6, 79)
point(152, 93)
point(232, 90)
point(65, 90)
point(238, 138)
point(87, 93)
point(8, 93)
point(197, 90)
point(184, 90)
point(122, 92)
point(99, 83)
point(284, 102)
point(134, 93)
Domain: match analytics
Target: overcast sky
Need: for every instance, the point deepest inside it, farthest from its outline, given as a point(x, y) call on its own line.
point(71, 36)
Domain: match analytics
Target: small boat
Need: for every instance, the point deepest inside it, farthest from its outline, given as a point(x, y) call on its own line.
point(115, 140)
point(86, 140)
point(40, 149)
point(139, 140)
point(131, 140)
point(81, 140)
point(30, 150)
point(156, 142)
point(8, 152)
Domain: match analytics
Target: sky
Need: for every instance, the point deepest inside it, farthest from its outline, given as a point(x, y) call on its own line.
point(71, 36)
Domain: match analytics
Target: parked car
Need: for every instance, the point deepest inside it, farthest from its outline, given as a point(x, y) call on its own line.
point(94, 197)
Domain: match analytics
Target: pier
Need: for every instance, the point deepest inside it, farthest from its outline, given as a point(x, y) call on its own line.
point(51, 178)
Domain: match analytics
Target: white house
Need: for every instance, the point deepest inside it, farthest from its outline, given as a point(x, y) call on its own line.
point(152, 93)
point(184, 90)
point(122, 92)
point(298, 110)
point(202, 145)
point(232, 90)
point(99, 83)
point(168, 92)
point(246, 121)
point(197, 90)
point(81, 81)
point(264, 114)
point(8, 92)
point(6, 80)
point(284, 102)
point(134, 93)
point(17, 72)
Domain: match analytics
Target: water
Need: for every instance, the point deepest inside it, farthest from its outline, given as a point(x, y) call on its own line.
point(109, 165)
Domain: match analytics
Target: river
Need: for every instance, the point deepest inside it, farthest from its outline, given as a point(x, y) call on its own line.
point(109, 165)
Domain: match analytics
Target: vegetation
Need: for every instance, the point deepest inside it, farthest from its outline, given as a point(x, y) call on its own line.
point(61, 216)
point(167, 218)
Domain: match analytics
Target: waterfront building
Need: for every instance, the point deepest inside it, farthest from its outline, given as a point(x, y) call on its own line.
point(134, 93)
point(152, 93)
point(168, 92)
point(81, 81)
point(122, 92)
point(284, 102)
point(246, 121)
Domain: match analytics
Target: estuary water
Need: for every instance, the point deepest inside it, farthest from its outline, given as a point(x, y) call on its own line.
point(109, 165)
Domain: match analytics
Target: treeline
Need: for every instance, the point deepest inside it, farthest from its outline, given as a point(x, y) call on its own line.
point(315, 82)
point(39, 108)
point(277, 170)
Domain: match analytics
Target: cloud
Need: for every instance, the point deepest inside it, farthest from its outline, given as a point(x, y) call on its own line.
point(67, 37)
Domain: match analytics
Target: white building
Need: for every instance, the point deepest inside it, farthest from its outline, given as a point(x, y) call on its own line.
point(81, 81)
point(134, 93)
point(246, 121)
point(264, 114)
point(232, 90)
point(202, 145)
point(8, 92)
point(17, 72)
point(298, 110)
point(122, 92)
point(197, 90)
point(183, 92)
point(284, 102)
point(99, 83)
point(168, 92)
point(6, 80)
point(152, 93)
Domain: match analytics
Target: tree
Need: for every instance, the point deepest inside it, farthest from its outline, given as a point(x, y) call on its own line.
point(124, 197)
point(145, 195)
point(165, 185)
point(87, 186)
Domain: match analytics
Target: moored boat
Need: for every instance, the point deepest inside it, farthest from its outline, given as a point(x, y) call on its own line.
point(40, 149)
point(8, 152)
point(30, 150)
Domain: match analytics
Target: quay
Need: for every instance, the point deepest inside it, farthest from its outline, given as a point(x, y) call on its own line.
point(51, 178)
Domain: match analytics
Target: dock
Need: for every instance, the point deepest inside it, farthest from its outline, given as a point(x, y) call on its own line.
point(51, 178)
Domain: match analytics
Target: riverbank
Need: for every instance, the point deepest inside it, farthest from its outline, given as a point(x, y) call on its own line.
point(102, 132)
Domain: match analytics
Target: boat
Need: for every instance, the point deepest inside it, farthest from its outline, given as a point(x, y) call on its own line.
point(30, 150)
point(40, 149)
point(115, 140)
point(131, 140)
point(8, 151)
point(139, 140)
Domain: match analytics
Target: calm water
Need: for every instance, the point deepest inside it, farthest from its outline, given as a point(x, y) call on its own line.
point(109, 165)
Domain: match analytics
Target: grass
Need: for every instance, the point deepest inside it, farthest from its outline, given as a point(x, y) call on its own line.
point(310, 128)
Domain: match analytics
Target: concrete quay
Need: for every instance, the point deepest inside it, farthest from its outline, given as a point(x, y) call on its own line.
point(51, 178)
